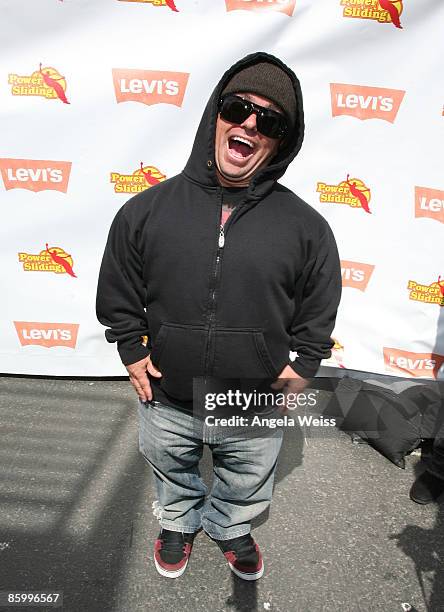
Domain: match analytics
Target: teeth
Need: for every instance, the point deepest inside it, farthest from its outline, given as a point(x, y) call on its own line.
point(244, 140)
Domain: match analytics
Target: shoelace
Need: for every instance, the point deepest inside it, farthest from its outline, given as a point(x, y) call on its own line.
point(172, 541)
point(243, 547)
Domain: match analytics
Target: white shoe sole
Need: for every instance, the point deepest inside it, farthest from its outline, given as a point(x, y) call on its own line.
point(170, 573)
point(254, 576)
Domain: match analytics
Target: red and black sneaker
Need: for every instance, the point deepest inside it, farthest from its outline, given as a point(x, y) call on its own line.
point(172, 551)
point(243, 556)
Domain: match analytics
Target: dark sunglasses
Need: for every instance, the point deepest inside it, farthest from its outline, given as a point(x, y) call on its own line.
point(269, 123)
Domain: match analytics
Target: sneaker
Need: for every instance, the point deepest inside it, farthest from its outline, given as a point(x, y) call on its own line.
point(243, 556)
point(427, 488)
point(172, 551)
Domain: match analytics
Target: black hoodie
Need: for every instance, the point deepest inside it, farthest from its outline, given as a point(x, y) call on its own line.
point(228, 311)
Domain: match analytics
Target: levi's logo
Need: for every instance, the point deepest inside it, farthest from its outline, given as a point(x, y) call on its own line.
point(365, 102)
point(283, 6)
point(35, 174)
point(149, 86)
point(414, 364)
point(429, 203)
point(355, 274)
point(47, 334)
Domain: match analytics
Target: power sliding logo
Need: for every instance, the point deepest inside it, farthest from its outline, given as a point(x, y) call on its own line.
point(383, 11)
point(281, 6)
point(52, 259)
point(141, 179)
point(149, 86)
point(169, 3)
point(365, 102)
point(353, 192)
point(413, 364)
point(46, 82)
point(35, 174)
point(355, 274)
point(429, 203)
point(429, 294)
point(47, 334)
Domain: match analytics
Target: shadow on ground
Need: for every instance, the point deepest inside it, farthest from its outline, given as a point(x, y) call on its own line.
point(75, 515)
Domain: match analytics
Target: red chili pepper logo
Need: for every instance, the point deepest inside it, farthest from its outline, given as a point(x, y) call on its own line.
point(61, 260)
point(441, 285)
point(358, 194)
point(142, 178)
point(54, 84)
point(392, 10)
point(171, 4)
point(150, 179)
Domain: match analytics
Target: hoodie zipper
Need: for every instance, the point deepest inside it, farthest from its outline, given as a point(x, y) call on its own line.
point(214, 283)
point(223, 229)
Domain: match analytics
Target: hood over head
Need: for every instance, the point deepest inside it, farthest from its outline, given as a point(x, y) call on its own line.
point(268, 80)
point(201, 165)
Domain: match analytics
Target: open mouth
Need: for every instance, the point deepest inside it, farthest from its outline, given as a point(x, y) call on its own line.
point(240, 147)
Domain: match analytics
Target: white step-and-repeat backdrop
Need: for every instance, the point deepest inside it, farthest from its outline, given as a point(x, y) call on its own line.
point(101, 99)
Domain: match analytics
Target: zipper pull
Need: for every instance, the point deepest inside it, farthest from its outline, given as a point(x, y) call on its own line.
point(221, 237)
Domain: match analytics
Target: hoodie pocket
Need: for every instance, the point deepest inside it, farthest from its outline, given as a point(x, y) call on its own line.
point(242, 353)
point(179, 352)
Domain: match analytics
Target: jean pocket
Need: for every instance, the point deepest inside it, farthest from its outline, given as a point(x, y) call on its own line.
point(179, 354)
point(242, 353)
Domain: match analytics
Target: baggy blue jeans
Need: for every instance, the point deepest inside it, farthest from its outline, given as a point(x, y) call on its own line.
point(243, 472)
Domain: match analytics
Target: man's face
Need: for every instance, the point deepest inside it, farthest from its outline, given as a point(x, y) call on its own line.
point(237, 162)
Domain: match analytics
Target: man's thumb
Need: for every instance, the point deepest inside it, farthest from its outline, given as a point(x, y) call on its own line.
point(153, 370)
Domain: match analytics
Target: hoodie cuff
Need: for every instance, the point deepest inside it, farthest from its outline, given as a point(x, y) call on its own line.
point(306, 368)
point(130, 352)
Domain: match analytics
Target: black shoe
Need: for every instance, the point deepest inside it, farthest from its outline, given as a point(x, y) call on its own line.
point(427, 488)
point(172, 551)
point(243, 556)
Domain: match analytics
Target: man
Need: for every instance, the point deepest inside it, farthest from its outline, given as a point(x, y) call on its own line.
point(224, 271)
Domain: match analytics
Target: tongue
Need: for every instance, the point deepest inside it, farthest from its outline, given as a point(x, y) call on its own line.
point(240, 148)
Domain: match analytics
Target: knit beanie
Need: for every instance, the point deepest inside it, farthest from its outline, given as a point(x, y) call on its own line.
point(267, 80)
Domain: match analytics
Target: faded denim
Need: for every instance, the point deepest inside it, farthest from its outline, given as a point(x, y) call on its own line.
point(243, 472)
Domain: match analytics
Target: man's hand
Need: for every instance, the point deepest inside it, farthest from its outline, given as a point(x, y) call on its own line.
point(289, 382)
point(139, 379)
point(292, 382)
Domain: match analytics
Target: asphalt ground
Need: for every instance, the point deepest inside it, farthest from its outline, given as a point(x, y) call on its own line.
point(75, 516)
